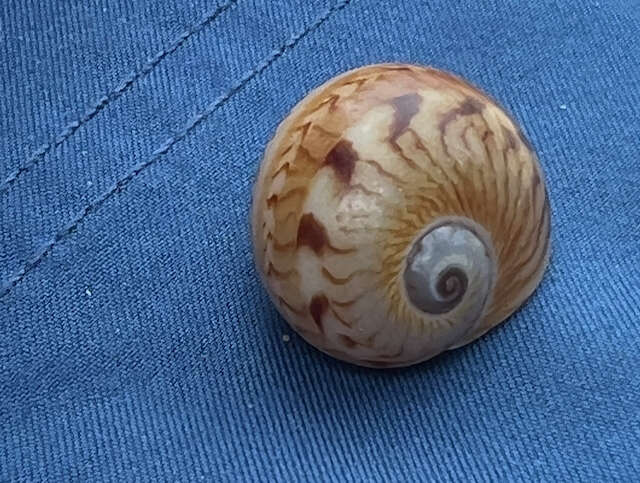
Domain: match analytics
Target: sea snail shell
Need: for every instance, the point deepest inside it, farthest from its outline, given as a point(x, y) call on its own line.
point(398, 212)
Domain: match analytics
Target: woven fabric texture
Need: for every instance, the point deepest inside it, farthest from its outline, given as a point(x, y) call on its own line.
point(136, 340)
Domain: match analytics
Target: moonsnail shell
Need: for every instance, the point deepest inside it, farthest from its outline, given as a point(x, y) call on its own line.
point(399, 212)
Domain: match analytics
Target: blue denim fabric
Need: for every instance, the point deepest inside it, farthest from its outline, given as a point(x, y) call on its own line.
point(136, 340)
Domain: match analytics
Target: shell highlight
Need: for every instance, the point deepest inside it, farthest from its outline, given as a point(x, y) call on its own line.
point(398, 212)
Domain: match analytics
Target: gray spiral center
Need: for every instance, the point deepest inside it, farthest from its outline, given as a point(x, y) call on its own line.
point(444, 265)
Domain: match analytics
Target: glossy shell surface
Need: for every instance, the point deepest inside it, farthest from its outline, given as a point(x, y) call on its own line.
point(398, 212)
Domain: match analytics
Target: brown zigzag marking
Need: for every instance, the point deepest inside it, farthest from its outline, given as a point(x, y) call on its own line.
point(512, 142)
point(383, 172)
point(360, 82)
point(404, 108)
point(339, 317)
point(348, 341)
point(305, 129)
point(325, 131)
point(286, 150)
point(313, 234)
point(469, 107)
point(366, 191)
point(342, 158)
point(281, 247)
point(331, 100)
point(290, 307)
point(343, 281)
point(317, 308)
point(280, 274)
point(274, 199)
point(285, 167)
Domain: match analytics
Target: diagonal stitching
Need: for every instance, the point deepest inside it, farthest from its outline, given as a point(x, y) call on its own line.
point(104, 101)
point(71, 227)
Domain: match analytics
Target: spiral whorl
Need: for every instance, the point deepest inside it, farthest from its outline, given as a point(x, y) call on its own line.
point(443, 263)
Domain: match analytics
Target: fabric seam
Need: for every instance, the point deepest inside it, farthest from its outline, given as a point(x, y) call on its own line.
point(119, 185)
point(124, 85)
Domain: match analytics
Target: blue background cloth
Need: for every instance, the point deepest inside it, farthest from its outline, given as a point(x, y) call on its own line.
point(136, 340)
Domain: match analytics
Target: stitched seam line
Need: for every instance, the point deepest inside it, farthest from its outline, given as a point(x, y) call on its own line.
point(72, 226)
point(104, 101)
